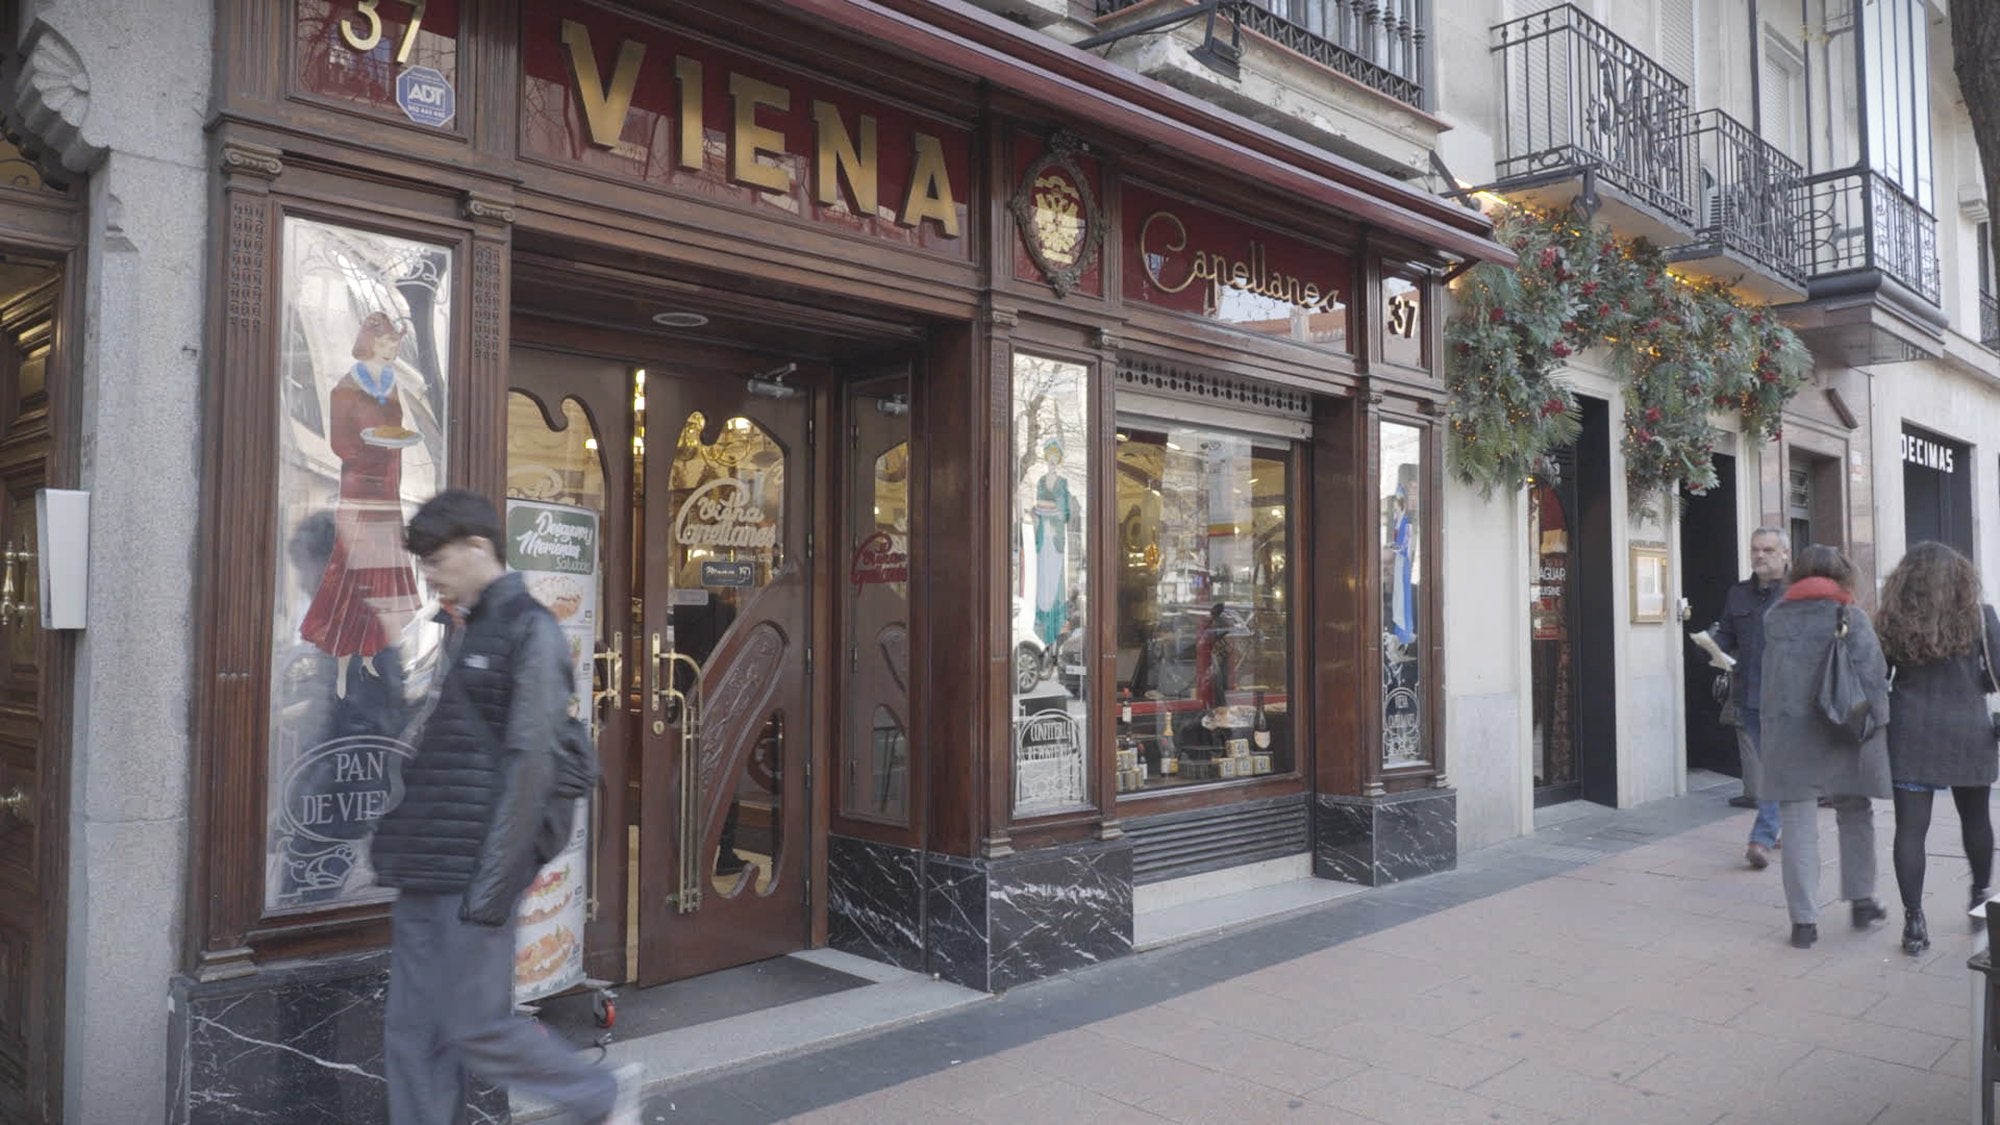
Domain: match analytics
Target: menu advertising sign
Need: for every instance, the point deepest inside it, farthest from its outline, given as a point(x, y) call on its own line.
point(556, 548)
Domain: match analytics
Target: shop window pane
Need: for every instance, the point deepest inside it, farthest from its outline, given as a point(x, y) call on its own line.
point(1403, 596)
point(753, 830)
point(1052, 430)
point(875, 747)
point(362, 366)
point(1204, 606)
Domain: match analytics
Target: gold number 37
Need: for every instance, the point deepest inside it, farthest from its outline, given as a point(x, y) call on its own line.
point(366, 41)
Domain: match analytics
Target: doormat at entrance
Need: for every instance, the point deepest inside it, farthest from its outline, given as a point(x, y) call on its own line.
point(704, 999)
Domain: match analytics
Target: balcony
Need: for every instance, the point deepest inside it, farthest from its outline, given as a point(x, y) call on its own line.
point(1378, 43)
point(1875, 285)
point(1749, 210)
point(1589, 115)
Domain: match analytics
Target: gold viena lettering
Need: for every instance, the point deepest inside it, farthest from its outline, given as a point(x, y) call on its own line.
point(846, 164)
point(750, 140)
point(604, 107)
point(839, 159)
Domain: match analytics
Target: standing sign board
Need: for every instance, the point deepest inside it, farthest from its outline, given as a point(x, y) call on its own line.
point(555, 547)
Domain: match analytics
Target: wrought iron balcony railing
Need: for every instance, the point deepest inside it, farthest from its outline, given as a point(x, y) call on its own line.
point(1382, 44)
point(1989, 321)
point(1857, 220)
point(1581, 99)
point(1747, 197)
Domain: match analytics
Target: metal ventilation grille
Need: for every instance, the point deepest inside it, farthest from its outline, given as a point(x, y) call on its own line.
point(1188, 843)
point(1242, 394)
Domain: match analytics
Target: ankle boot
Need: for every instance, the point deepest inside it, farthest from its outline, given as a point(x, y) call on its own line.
point(1804, 934)
point(1865, 912)
point(1916, 935)
point(1978, 896)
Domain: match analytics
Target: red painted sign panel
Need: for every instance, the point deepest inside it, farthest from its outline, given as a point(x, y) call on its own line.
point(641, 101)
point(1192, 260)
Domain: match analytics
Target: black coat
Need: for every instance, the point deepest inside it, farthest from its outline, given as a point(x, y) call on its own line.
point(476, 794)
point(1940, 730)
point(1739, 631)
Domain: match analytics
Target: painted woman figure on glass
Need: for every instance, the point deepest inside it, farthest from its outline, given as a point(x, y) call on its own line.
point(1051, 514)
point(368, 593)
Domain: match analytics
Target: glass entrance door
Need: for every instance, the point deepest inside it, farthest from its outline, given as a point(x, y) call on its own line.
point(725, 725)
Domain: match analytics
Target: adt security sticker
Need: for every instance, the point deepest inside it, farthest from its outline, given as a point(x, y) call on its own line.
point(426, 97)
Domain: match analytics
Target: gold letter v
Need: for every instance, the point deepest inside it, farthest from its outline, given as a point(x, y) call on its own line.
point(603, 109)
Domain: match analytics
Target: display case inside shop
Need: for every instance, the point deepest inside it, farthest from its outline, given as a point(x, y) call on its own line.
point(1204, 618)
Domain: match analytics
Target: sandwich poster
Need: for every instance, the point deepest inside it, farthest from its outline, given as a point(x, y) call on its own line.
point(555, 547)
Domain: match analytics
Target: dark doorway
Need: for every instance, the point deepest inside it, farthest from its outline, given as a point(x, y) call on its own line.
point(1573, 711)
point(1596, 611)
point(1937, 490)
point(1709, 564)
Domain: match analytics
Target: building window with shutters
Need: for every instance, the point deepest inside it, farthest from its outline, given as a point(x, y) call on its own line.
point(1781, 94)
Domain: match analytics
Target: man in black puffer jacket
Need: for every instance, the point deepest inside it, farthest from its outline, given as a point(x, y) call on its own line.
point(461, 844)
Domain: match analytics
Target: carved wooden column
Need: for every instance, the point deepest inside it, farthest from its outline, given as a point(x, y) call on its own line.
point(993, 748)
point(479, 415)
point(237, 571)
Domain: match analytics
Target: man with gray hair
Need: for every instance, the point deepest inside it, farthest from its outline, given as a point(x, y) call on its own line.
point(1740, 633)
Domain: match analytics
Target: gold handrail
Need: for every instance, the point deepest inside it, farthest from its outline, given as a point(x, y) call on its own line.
point(687, 708)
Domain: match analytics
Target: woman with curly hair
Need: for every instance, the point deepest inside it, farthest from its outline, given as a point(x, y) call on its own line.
point(1936, 633)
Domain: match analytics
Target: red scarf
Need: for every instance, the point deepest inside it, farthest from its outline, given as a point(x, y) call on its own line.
point(1818, 589)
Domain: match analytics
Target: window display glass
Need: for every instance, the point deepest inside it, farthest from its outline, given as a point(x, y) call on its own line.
point(361, 379)
point(1050, 547)
point(1403, 596)
point(1204, 606)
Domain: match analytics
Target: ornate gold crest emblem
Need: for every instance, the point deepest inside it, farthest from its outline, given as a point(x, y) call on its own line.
point(1057, 215)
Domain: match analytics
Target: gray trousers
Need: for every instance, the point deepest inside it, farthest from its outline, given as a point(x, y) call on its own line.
point(451, 1010)
point(1799, 822)
point(1753, 763)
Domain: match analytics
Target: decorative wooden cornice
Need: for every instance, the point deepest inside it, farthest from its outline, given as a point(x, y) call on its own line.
point(487, 209)
point(241, 158)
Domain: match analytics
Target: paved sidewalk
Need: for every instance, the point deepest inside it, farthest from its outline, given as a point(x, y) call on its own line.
point(1620, 967)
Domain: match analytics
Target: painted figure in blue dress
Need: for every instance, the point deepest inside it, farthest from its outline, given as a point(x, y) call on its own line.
point(1051, 515)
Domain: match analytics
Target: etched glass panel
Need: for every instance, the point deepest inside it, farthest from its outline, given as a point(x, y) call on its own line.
point(1404, 598)
point(1052, 429)
point(751, 846)
point(362, 370)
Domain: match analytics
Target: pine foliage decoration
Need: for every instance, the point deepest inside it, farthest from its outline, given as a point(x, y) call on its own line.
point(1684, 350)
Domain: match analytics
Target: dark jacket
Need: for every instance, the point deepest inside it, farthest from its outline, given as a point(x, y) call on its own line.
point(1739, 631)
point(475, 794)
point(1940, 731)
point(1803, 756)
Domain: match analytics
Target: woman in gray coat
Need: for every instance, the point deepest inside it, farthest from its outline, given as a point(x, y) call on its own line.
point(1805, 757)
point(1935, 634)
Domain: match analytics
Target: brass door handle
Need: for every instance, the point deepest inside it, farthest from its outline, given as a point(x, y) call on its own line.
point(12, 562)
point(18, 805)
point(610, 666)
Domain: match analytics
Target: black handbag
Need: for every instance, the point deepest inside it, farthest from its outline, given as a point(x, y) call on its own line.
point(1842, 700)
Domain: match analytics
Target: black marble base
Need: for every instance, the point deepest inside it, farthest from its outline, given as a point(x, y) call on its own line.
point(875, 901)
point(997, 923)
point(1377, 840)
point(299, 1046)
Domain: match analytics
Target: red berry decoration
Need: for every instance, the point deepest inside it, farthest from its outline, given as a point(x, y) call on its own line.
point(1560, 349)
point(1652, 414)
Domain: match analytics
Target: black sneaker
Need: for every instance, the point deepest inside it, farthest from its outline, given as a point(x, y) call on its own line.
point(1865, 912)
point(1804, 934)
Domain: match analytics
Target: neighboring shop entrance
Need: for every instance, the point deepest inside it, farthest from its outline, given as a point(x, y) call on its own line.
point(716, 607)
point(1711, 562)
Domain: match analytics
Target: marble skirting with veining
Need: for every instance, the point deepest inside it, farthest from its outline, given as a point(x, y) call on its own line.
point(1377, 840)
point(297, 1046)
point(875, 901)
point(996, 923)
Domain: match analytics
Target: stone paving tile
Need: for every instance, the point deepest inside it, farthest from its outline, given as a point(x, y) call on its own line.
point(1870, 1040)
point(1448, 1061)
point(1245, 1103)
point(1539, 1085)
point(1118, 1070)
point(1595, 1056)
point(1048, 1100)
point(1392, 1098)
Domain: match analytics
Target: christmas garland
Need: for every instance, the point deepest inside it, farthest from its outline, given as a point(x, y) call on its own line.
point(1684, 349)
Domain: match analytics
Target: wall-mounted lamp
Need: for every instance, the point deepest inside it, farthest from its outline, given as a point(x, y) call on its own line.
point(1214, 53)
point(895, 406)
